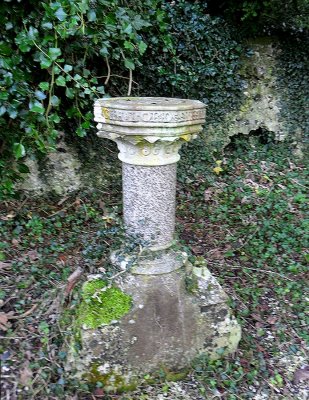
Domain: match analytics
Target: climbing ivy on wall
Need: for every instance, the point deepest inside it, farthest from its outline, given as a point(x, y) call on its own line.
point(56, 58)
point(293, 77)
point(256, 17)
point(204, 63)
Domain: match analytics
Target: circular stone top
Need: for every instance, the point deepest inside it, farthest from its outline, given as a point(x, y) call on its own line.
point(127, 114)
point(150, 103)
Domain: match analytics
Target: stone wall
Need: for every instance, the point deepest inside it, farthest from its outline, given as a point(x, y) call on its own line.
point(270, 99)
point(88, 164)
point(84, 164)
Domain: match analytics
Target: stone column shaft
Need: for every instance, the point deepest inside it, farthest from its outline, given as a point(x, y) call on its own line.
point(149, 204)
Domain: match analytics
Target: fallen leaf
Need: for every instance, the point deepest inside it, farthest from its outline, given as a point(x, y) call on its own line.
point(301, 375)
point(25, 375)
point(217, 170)
point(208, 194)
point(62, 258)
point(62, 201)
point(5, 355)
point(260, 348)
point(272, 319)
point(99, 392)
point(4, 320)
point(4, 265)
point(73, 279)
point(257, 317)
point(77, 202)
point(7, 217)
point(102, 205)
point(32, 255)
point(196, 250)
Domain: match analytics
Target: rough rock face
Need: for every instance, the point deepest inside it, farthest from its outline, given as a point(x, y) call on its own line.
point(71, 167)
point(262, 99)
point(174, 318)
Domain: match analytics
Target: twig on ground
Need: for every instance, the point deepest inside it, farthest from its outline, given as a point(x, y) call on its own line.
point(263, 271)
point(63, 209)
point(25, 314)
point(72, 280)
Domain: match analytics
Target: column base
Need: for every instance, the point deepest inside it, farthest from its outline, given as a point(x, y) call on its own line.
point(149, 261)
point(173, 318)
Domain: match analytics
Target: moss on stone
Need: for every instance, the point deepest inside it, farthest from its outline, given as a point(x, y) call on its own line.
point(191, 283)
point(174, 376)
point(111, 381)
point(102, 304)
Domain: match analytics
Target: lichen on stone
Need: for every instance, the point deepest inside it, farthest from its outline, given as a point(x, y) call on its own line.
point(102, 304)
point(111, 381)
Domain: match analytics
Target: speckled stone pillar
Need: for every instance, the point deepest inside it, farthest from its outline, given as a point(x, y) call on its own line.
point(149, 203)
point(178, 310)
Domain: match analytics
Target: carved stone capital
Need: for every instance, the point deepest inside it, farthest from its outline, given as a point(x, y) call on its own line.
point(149, 131)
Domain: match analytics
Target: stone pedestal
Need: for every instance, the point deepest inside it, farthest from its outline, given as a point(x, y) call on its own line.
point(161, 312)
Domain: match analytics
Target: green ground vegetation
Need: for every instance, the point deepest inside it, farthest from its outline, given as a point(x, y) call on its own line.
point(247, 218)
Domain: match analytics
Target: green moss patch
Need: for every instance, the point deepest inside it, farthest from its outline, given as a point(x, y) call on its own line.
point(102, 304)
point(111, 381)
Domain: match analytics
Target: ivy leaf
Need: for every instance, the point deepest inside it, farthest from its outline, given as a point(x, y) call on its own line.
point(129, 63)
point(32, 33)
point(128, 45)
point(81, 132)
point(92, 16)
point(61, 14)
point(139, 23)
point(23, 42)
point(2, 110)
point(19, 150)
point(128, 29)
point(47, 25)
point(44, 85)
point(54, 53)
point(67, 68)
point(101, 89)
point(45, 62)
point(36, 107)
point(55, 101)
point(40, 95)
point(12, 112)
point(104, 51)
point(54, 118)
point(60, 81)
point(142, 46)
point(86, 124)
point(23, 168)
point(69, 93)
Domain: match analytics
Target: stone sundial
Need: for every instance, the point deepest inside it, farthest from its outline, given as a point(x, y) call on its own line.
point(179, 310)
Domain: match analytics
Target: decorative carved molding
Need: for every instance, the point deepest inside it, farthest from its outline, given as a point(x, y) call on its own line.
point(149, 131)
